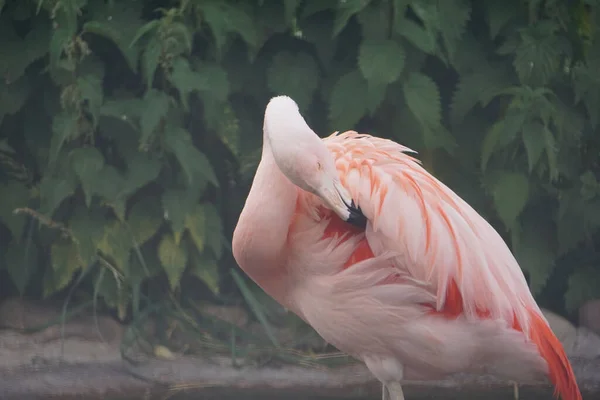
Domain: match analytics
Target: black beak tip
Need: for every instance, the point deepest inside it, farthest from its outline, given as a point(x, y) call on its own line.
point(356, 218)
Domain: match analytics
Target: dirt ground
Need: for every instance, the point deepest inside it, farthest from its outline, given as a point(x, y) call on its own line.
point(75, 362)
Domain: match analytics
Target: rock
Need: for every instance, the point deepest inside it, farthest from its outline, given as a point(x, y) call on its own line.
point(565, 331)
point(589, 315)
point(42, 322)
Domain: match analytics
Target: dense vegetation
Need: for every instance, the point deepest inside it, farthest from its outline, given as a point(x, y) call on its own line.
point(130, 130)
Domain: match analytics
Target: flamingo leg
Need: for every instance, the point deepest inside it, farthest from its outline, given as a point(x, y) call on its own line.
point(392, 391)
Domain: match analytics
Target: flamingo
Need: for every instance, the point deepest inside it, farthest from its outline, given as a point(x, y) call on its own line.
point(387, 263)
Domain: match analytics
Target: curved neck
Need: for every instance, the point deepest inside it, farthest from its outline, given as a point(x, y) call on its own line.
point(260, 236)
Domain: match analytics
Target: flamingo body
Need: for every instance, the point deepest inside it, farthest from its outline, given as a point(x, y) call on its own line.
point(427, 289)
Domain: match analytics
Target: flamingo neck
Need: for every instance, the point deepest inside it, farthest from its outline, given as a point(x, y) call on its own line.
point(260, 238)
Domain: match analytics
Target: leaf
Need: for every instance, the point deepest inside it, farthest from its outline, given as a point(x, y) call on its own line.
point(18, 52)
point(127, 109)
point(65, 263)
point(381, 60)
point(500, 14)
point(584, 285)
point(454, 15)
point(510, 192)
point(475, 88)
point(206, 268)
point(223, 18)
point(53, 191)
point(501, 134)
point(370, 19)
point(155, 108)
point(214, 227)
point(196, 225)
point(150, 59)
point(65, 127)
point(537, 58)
point(422, 97)
point(119, 22)
point(21, 263)
point(346, 102)
point(14, 195)
point(303, 68)
point(536, 252)
point(177, 204)
point(534, 140)
point(195, 164)
point(87, 163)
point(90, 89)
point(210, 79)
point(13, 96)
point(116, 244)
point(87, 227)
point(417, 35)
point(345, 10)
point(144, 30)
point(144, 219)
point(64, 30)
point(173, 259)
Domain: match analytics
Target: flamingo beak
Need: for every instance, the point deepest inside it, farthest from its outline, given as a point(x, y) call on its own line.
point(337, 198)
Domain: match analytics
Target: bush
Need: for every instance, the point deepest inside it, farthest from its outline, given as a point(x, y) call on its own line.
point(130, 130)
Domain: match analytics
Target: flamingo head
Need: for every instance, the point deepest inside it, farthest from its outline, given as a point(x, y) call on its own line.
point(305, 160)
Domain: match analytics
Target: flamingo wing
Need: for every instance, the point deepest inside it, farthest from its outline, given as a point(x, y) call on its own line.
point(442, 242)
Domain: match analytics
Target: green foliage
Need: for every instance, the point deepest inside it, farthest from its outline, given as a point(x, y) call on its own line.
point(129, 131)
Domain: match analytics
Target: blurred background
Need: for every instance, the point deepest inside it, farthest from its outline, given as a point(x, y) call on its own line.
point(130, 132)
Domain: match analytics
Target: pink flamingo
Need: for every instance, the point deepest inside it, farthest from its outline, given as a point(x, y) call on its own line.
point(388, 264)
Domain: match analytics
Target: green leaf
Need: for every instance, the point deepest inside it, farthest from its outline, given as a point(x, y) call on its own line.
point(90, 89)
point(13, 96)
point(150, 59)
point(381, 60)
point(144, 219)
point(501, 134)
point(177, 204)
point(346, 103)
point(53, 191)
point(14, 195)
point(345, 10)
point(210, 79)
point(205, 267)
point(303, 68)
point(119, 22)
point(173, 259)
point(536, 252)
point(538, 56)
point(422, 97)
point(116, 244)
point(534, 140)
point(65, 29)
point(214, 227)
point(510, 192)
point(196, 225)
point(87, 163)
point(224, 18)
point(21, 263)
point(584, 285)
point(476, 88)
point(17, 52)
point(500, 14)
point(87, 227)
point(65, 263)
point(417, 35)
point(144, 30)
point(126, 110)
point(454, 15)
point(370, 19)
point(65, 127)
point(195, 164)
point(155, 108)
